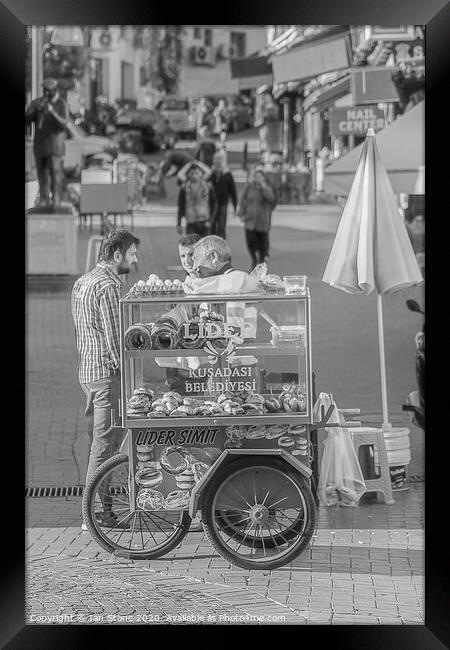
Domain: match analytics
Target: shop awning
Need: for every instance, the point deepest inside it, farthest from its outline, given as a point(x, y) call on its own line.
point(250, 66)
point(312, 58)
point(251, 71)
point(324, 97)
point(402, 150)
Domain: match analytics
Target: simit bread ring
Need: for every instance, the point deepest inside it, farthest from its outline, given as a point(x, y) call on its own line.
point(185, 480)
point(235, 432)
point(164, 337)
point(144, 448)
point(148, 499)
point(254, 432)
point(256, 399)
point(146, 463)
point(138, 337)
point(176, 500)
point(185, 460)
point(286, 442)
point(144, 456)
point(192, 402)
point(232, 443)
point(181, 412)
point(276, 430)
point(148, 477)
point(297, 429)
point(252, 409)
point(199, 470)
point(172, 394)
point(227, 395)
point(168, 320)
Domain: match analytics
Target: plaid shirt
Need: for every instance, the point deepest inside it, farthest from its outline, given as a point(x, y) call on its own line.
point(95, 311)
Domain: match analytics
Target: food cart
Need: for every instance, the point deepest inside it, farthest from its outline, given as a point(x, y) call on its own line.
point(216, 397)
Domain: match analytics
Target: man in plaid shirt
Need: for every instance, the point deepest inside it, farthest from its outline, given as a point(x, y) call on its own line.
point(95, 310)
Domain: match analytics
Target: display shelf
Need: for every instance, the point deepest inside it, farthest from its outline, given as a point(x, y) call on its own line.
point(262, 350)
point(197, 421)
point(204, 297)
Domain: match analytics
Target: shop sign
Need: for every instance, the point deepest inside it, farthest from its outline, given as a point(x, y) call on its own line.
point(166, 463)
point(220, 338)
point(373, 85)
point(355, 120)
point(209, 379)
point(389, 32)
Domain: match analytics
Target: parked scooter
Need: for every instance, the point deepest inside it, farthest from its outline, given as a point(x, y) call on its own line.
point(415, 402)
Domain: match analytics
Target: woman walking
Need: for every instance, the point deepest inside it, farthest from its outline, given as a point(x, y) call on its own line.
point(196, 202)
point(255, 211)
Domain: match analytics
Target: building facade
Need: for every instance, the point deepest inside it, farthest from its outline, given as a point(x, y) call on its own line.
point(207, 51)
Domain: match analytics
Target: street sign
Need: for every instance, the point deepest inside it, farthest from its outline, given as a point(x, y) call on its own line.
point(355, 120)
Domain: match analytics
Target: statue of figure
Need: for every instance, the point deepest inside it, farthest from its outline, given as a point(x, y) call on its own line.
point(50, 115)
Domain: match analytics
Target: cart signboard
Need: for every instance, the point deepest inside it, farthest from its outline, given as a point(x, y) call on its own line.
point(167, 462)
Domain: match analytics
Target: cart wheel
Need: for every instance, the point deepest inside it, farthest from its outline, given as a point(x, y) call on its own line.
point(135, 534)
point(259, 513)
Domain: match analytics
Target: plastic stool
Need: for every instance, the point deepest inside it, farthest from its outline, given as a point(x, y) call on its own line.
point(369, 436)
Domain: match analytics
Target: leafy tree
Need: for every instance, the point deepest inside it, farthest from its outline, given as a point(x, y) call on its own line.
point(164, 56)
point(65, 64)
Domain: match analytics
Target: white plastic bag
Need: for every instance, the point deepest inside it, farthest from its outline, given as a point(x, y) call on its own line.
point(341, 480)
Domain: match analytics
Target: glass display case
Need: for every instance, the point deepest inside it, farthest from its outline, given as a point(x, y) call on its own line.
point(216, 395)
point(234, 359)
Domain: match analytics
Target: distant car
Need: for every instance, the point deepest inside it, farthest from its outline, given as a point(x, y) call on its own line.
point(91, 144)
point(180, 115)
point(143, 130)
point(238, 112)
point(81, 146)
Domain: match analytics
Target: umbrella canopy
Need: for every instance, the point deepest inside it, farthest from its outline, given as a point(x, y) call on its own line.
point(371, 250)
point(402, 149)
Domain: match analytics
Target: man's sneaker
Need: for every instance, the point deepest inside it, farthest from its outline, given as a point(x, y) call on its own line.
point(110, 520)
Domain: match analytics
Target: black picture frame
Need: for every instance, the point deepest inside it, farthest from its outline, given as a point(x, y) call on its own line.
point(435, 15)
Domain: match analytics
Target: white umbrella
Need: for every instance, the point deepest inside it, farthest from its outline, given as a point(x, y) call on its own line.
point(372, 250)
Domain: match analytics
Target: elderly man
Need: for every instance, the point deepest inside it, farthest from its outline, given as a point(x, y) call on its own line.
point(212, 262)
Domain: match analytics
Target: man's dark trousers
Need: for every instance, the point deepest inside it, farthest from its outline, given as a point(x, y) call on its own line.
point(198, 227)
point(220, 221)
point(50, 175)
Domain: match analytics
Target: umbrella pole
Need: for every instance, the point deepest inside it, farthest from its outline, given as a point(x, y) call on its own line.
point(386, 423)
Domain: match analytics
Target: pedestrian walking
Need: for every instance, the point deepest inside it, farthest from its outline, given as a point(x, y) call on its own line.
point(50, 115)
point(225, 189)
point(95, 311)
point(196, 203)
point(204, 117)
point(220, 121)
point(255, 209)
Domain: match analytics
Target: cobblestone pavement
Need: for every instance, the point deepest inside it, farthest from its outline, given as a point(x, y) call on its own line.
point(347, 575)
point(365, 565)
